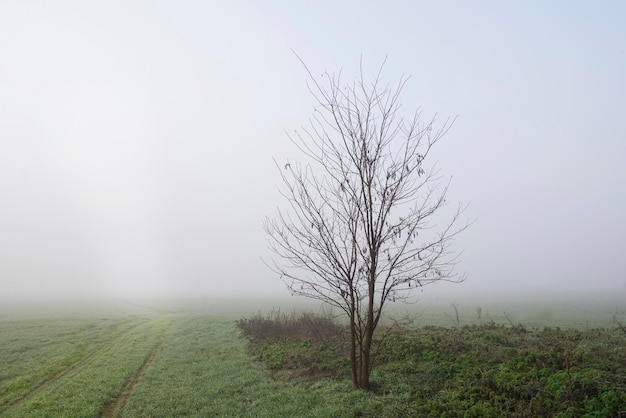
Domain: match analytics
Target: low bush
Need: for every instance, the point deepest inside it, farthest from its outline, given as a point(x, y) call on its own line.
point(301, 344)
point(278, 325)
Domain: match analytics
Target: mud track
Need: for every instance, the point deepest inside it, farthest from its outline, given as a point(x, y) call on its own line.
point(118, 404)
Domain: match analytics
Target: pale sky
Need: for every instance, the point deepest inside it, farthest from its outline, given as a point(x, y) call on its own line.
point(137, 137)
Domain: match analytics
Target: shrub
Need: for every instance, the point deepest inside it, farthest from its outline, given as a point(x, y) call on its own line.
point(277, 325)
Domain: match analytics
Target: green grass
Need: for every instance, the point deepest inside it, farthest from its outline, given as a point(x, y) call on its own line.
point(33, 352)
point(81, 367)
point(205, 370)
point(166, 362)
point(72, 367)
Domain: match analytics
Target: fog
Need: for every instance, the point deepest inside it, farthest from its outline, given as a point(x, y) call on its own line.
point(137, 138)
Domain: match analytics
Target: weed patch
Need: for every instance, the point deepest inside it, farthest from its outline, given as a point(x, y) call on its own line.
point(478, 370)
point(302, 345)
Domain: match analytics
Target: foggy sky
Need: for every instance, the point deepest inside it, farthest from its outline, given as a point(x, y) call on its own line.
point(137, 137)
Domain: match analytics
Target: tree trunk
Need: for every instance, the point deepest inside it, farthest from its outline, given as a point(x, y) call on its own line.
point(365, 357)
point(353, 362)
point(364, 372)
point(367, 339)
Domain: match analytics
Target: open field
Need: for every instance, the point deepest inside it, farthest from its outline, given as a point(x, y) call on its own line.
point(73, 367)
point(188, 359)
point(159, 365)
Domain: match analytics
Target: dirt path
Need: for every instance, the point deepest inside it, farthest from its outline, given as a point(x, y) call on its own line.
point(120, 401)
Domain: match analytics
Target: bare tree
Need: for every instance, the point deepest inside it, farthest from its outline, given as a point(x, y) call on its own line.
point(362, 225)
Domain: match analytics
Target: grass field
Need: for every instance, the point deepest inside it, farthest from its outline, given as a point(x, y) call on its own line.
point(174, 360)
point(156, 365)
point(73, 367)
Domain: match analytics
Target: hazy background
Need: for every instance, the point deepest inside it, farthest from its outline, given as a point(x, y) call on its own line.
point(137, 137)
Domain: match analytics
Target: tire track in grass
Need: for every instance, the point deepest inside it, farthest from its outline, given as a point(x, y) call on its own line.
point(82, 362)
point(114, 407)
